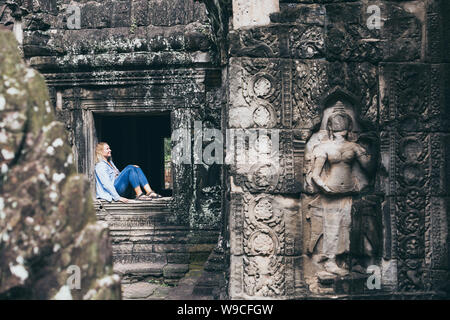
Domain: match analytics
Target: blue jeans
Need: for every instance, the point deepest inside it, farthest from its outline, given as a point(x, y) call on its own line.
point(131, 177)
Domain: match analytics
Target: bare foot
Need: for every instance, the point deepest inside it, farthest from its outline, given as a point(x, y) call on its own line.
point(332, 267)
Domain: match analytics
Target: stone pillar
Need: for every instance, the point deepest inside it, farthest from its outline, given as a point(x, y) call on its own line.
point(279, 76)
point(415, 126)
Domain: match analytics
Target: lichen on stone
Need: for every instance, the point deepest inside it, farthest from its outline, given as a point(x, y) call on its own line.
point(43, 207)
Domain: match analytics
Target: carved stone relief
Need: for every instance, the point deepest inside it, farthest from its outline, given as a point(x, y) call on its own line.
point(263, 230)
point(411, 117)
point(341, 228)
point(371, 196)
point(260, 98)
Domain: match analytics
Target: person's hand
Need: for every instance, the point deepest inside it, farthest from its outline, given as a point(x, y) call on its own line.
point(124, 200)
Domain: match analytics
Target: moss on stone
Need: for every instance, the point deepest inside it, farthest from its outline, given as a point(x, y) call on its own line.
point(47, 219)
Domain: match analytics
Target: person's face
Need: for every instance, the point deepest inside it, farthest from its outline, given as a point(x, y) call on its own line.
point(106, 151)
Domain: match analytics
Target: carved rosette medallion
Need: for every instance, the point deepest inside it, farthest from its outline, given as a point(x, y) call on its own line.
point(264, 116)
point(262, 86)
point(263, 243)
point(263, 177)
point(264, 234)
point(261, 81)
point(263, 145)
point(261, 211)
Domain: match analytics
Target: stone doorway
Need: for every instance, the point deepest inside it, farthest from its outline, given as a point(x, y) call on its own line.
point(139, 139)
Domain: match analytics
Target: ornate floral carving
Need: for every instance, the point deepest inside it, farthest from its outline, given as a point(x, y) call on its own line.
point(256, 42)
point(262, 85)
point(264, 116)
point(263, 177)
point(261, 81)
point(411, 110)
point(264, 234)
point(307, 43)
point(309, 84)
point(412, 180)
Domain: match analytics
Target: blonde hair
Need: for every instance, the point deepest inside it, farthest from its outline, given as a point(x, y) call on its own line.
point(99, 151)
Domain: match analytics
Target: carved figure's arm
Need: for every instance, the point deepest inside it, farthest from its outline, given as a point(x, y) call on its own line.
point(317, 170)
point(363, 157)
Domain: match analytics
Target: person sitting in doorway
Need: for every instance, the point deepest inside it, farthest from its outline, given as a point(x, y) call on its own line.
point(111, 184)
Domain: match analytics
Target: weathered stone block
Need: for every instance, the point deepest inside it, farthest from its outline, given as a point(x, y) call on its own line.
point(411, 96)
point(251, 13)
point(258, 234)
point(262, 42)
point(175, 247)
point(195, 40)
point(173, 271)
point(139, 12)
point(170, 13)
point(46, 218)
point(293, 13)
point(347, 36)
point(402, 31)
point(96, 15)
point(122, 14)
point(139, 257)
point(178, 258)
point(140, 269)
point(301, 41)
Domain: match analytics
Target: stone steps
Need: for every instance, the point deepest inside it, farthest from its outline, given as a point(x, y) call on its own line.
point(144, 243)
point(139, 269)
point(209, 284)
point(212, 279)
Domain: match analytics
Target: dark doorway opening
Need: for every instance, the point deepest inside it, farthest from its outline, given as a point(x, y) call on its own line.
point(139, 139)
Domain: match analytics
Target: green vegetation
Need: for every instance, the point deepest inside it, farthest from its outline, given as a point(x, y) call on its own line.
point(167, 150)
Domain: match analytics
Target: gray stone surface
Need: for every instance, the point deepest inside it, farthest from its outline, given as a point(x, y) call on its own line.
point(279, 77)
point(234, 69)
point(146, 244)
point(50, 239)
point(138, 290)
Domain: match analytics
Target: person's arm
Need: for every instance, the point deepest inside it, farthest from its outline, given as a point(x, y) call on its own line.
point(106, 182)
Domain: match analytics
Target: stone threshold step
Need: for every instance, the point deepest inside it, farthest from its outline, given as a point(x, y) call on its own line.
point(149, 269)
point(130, 213)
point(139, 269)
point(162, 203)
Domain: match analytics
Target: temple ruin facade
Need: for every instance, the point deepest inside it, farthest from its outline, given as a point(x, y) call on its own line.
point(354, 202)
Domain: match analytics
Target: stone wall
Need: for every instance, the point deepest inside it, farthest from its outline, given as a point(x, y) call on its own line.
point(134, 58)
point(300, 71)
point(282, 77)
point(128, 56)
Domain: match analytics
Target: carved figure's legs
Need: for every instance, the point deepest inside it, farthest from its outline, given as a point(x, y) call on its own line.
point(336, 231)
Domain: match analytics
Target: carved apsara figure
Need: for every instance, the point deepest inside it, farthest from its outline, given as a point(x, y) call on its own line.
point(335, 170)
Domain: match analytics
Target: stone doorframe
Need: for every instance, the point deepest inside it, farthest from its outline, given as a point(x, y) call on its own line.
point(121, 106)
point(78, 96)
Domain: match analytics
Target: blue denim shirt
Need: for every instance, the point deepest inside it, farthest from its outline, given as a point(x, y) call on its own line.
point(104, 181)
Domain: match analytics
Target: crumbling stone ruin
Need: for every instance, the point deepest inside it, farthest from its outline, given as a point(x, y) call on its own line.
point(47, 221)
point(353, 96)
